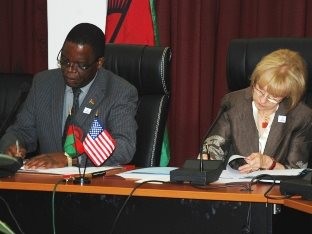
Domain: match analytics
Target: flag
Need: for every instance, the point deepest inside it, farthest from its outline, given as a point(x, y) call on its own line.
point(129, 21)
point(98, 144)
point(135, 22)
point(73, 143)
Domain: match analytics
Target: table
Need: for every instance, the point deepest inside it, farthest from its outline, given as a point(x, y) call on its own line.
point(114, 185)
point(152, 208)
point(299, 204)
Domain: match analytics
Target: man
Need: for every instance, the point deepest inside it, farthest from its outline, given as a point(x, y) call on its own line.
point(41, 122)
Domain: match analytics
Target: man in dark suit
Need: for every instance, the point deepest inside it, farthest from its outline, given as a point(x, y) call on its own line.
point(40, 123)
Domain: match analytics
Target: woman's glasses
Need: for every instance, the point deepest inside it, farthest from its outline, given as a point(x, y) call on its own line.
point(262, 93)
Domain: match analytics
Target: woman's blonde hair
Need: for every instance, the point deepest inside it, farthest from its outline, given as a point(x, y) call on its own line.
point(287, 75)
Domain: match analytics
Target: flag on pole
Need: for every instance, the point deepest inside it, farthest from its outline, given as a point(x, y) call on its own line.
point(73, 143)
point(129, 21)
point(98, 144)
point(135, 22)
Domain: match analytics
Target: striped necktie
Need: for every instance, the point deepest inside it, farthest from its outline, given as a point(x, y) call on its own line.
point(73, 112)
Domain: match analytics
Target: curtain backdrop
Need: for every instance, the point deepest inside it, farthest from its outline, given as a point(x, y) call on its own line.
point(198, 31)
point(23, 30)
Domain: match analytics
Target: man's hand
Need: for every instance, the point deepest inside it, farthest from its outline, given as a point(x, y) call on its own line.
point(19, 152)
point(52, 160)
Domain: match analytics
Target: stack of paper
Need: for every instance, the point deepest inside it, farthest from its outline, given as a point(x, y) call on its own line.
point(148, 173)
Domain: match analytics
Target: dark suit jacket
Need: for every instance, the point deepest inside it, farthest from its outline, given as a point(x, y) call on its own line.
point(40, 120)
point(235, 132)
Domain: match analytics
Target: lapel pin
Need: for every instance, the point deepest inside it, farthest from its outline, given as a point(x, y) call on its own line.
point(91, 101)
point(281, 119)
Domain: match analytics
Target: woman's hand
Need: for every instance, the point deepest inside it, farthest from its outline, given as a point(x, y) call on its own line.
point(257, 161)
point(205, 156)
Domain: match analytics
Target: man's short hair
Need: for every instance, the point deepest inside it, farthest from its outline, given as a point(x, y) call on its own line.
point(86, 33)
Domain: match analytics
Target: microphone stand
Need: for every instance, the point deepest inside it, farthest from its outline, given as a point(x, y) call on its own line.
point(200, 171)
point(82, 179)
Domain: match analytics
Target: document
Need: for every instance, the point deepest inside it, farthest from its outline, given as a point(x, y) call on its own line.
point(148, 173)
point(232, 175)
point(68, 170)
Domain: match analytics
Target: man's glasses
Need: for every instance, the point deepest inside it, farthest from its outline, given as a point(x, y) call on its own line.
point(65, 63)
point(261, 94)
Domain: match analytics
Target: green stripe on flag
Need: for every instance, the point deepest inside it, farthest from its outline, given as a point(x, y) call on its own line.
point(155, 24)
point(165, 150)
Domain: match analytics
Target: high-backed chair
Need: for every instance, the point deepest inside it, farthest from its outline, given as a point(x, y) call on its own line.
point(13, 91)
point(147, 68)
point(244, 54)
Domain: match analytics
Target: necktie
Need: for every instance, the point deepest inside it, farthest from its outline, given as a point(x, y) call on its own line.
point(75, 107)
point(74, 110)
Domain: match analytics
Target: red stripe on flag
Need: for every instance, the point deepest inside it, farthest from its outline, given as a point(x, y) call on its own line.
point(100, 148)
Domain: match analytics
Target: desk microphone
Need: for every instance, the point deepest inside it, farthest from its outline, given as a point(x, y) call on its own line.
point(9, 165)
point(200, 171)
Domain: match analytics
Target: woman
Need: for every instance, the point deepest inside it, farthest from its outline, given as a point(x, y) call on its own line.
point(267, 123)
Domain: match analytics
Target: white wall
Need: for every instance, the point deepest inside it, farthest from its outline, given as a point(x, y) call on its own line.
point(64, 14)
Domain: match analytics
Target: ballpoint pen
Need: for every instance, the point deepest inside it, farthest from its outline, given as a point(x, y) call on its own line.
point(17, 148)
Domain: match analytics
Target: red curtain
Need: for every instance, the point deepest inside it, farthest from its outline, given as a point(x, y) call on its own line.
point(24, 41)
point(198, 31)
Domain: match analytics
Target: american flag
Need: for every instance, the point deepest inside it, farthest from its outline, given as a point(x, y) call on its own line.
point(98, 144)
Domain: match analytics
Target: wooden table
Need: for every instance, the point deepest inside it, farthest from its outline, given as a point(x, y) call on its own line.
point(115, 185)
point(195, 210)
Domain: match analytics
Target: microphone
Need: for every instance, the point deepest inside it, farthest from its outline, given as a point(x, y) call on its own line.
point(9, 165)
point(24, 89)
point(200, 171)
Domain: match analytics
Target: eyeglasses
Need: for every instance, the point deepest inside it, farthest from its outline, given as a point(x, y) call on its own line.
point(261, 94)
point(65, 63)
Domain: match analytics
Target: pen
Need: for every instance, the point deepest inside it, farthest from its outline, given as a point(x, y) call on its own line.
point(17, 148)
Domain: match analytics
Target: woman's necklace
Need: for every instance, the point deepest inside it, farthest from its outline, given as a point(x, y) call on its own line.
point(265, 119)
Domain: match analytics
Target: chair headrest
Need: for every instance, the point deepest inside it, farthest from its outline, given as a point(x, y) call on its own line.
point(146, 67)
point(244, 54)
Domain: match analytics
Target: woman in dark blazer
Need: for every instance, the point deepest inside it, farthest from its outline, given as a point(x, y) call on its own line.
point(267, 123)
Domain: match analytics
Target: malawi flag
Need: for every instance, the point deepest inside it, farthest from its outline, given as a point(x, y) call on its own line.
point(73, 143)
point(134, 22)
point(129, 21)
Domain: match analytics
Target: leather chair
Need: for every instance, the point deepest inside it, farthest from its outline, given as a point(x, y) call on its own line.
point(13, 91)
point(147, 68)
point(244, 54)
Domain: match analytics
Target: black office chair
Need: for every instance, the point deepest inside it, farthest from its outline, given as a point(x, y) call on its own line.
point(147, 68)
point(244, 54)
point(13, 91)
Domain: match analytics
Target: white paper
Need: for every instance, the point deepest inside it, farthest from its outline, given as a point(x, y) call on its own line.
point(67, 170)
point(148, 173)
point(231, 175)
